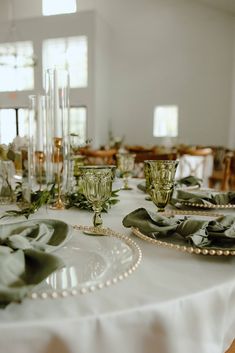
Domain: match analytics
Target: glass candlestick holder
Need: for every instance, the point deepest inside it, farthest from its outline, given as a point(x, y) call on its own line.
point(58, 134)
point(36, 154)
point(58, 143)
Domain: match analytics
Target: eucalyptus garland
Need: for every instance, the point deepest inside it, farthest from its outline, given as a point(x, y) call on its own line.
point(45, 197)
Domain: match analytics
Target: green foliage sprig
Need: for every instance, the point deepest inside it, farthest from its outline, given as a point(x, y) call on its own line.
point(44, 197)
point(38, 199)
point(77, 199)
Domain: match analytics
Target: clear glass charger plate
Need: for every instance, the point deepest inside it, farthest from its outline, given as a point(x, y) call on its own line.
point(180, 244)
point(91, 263)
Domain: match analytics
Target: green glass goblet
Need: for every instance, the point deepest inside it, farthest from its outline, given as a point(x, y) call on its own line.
point(126, 163)
point(148, 179)
point(162, 176)
point(97, 188)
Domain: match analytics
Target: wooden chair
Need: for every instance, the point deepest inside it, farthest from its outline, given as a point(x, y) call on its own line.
point(195, 161)
point(139, 149)
point(224, 178)
point(98, 157)
point(141, 157)
point(231, 348)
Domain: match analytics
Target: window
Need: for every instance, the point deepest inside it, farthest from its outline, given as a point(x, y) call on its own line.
point(78, 123)
point(70, 54)
point(7, 125)
point(165, 123)
point(16, 66)
point(22, 122)
point(13, 122)
point(56, 7)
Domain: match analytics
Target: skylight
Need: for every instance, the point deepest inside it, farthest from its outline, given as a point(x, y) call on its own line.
point(57, 7)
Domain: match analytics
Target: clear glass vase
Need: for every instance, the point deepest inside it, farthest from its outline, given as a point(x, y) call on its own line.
point(58, 164)
point(37, 142)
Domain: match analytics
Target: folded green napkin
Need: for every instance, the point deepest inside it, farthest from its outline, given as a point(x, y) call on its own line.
point(24, 259)
point(189, 181)
point(142, 186)
point(208, 198)
point(218, 233)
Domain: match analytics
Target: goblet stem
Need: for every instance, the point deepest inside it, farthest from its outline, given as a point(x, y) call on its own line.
point(126, 182)
point(161, 209)
point(97, 219)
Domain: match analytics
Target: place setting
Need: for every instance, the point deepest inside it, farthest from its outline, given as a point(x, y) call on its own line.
point(179, 226)
point(48, 257)
point(85, 257)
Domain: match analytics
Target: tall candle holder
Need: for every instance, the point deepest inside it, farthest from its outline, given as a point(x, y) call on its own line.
point(37, 142)
point(58, 132)
point(58, 143)
point(40, 158)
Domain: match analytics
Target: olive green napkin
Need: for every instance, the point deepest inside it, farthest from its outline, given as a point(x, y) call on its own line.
point(142, 186)
point(216, 233)
point(205, 198)
point(24, 259)
point(187, 181)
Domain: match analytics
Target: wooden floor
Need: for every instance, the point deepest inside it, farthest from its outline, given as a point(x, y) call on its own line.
point(232, 348)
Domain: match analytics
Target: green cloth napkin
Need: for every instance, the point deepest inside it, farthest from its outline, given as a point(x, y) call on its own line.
point(142, 186)
point(24, 259)
point(189, 181)
point(218, 233)
point(208, 198)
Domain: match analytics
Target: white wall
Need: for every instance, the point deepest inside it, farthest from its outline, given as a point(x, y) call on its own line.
point(102, 84)
point(231, 143)
point(162, 52)
point(170, 52)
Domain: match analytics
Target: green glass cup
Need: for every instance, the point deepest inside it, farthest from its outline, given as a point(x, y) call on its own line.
point(126, 163)
point(147, 175)
point(96, 184)
point(162, 176)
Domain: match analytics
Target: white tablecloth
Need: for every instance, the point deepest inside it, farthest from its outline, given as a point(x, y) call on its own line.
point(173, 303)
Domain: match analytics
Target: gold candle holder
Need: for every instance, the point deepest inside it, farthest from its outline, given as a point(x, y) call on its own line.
point(58, 205)
point(40, 158)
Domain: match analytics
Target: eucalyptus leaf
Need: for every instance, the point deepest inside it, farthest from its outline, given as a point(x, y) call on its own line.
point(44, 197)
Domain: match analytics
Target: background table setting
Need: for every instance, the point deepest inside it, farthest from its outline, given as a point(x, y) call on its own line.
point(142, 297)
